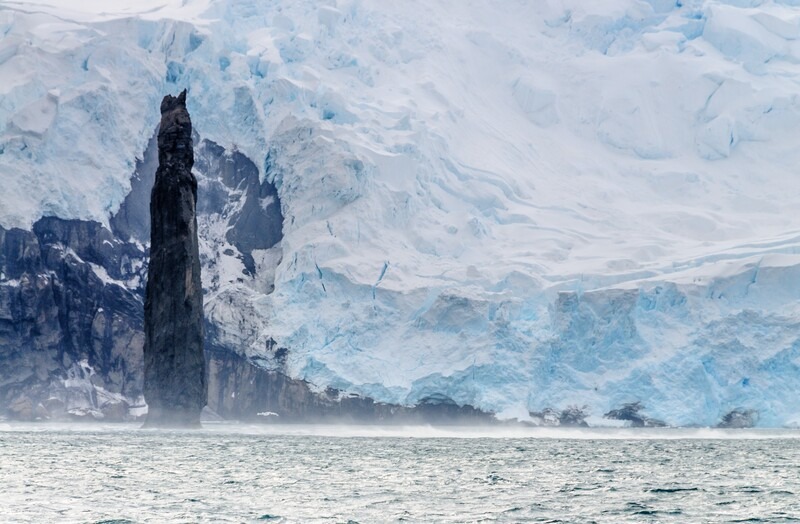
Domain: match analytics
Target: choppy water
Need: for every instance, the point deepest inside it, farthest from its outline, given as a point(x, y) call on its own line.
point(306, 474)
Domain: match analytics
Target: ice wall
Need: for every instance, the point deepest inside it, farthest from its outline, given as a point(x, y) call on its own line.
point(515, 205)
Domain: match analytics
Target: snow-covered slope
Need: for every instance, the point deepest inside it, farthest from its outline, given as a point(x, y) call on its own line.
point(517, 205)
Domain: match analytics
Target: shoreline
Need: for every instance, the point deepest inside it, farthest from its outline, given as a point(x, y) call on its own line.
point(330, 430)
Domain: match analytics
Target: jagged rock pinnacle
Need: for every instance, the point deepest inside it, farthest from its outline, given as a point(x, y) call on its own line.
point(174, 363)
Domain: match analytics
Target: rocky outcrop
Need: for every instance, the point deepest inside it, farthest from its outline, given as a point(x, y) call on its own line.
point(242, 390)
point(739, 418)
point(72, 291)
point(70, 304)
point(631, 413)
point(174, 361)
point(571, 416)
point(231, 186)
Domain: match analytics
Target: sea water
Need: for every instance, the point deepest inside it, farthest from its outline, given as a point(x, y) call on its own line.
point(230, 473)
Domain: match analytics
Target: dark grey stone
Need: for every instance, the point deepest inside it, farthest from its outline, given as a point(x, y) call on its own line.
point(739, 418)
point(571, 416)
point(230, 180)
point(174, 364)
point(240, 389)
point(631, 412)
point(56, 312)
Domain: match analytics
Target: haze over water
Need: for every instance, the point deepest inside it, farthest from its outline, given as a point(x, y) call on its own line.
point(229, 473)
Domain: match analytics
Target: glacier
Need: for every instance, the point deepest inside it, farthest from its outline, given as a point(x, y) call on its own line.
point(512, 205)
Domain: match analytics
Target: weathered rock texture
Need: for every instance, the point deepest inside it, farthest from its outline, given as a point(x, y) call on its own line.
point(242, 390)
point(631, 413)
point(175, 376)
point(739, 418)
point(70, 304)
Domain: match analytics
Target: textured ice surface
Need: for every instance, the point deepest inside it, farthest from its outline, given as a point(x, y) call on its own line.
point(516, 205)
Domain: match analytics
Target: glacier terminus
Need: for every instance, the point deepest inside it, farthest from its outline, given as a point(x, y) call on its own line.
point(400, 205)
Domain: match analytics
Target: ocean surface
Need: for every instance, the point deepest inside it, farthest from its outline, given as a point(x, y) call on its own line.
point(230, 473)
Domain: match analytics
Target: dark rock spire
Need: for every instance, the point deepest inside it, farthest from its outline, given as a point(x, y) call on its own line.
point(174, 364)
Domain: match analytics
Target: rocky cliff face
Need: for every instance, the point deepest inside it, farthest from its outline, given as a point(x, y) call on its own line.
point(174, 363)
point(72, 297)
point(70, 321)
point(240, 389)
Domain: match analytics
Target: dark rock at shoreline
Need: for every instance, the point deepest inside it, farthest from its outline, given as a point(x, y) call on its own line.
point(631, 412)
point(270, 396)
point(571, 417)
point(174, 363)
point(739, 418)
point(70, 317)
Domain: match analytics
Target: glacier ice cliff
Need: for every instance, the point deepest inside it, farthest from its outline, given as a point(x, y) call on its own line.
point(515, 207)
